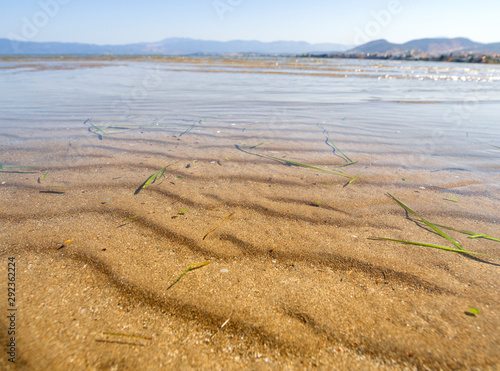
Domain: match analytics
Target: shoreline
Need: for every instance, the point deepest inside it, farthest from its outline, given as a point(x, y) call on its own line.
point(479, 59)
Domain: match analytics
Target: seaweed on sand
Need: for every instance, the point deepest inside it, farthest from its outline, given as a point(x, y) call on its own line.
point(153, 178)
point(294, 163)
point(190, 268)
point(329, 143)
point(437, 229)
point(426, 222)
point(218, 225)
point(2, 167)
point(190, 128)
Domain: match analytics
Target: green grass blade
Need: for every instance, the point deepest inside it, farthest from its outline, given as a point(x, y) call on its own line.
point(153, 178)
point(294, 163)
point(218, 225)
point(353, 179)
point(130, 217)
point(433, 246)
point(190, 128)
point(18, 167)
point(261, 143)
point(426, 222)
point(342, 153)
point(186, 131)
point(453, 229)
point(190, 268)
point(473, 310)
point(348, 163)
point(327, 134)
point(96, 127)
point(307, 166)
point(485, 236)
point(471, 234)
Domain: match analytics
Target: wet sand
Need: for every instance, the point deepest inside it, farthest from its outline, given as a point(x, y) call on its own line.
point(294, 280)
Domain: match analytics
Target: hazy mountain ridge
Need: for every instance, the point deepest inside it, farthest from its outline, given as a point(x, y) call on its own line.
point(170, 46)
point(184, 46)
point(433, 47)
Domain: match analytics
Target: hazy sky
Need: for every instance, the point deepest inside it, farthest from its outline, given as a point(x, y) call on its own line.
point(316, 21)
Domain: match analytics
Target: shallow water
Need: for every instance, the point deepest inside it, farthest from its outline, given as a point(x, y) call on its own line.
point(295, 273)
point(429, 107)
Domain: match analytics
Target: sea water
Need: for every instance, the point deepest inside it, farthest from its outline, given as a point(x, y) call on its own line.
point(427, 106)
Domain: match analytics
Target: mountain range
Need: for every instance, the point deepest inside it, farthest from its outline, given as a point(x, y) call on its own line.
point(433, 47)
point(170, 46)
point(185, 46)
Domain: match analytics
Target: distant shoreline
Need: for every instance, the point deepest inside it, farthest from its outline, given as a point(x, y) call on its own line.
point(477, 59)
point(453, 58)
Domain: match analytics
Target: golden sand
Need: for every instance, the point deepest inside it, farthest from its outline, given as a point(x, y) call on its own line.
point(294, 280)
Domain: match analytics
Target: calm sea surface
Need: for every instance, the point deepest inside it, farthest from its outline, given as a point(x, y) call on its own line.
point(451, 103)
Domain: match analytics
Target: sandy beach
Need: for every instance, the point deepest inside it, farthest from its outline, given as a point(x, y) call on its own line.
point(294, 280)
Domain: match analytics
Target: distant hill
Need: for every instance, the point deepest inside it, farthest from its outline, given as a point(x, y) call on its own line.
point(433, 47)
point(170, 46)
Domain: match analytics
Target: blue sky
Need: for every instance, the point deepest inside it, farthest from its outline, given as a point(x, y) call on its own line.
point(316, 21)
